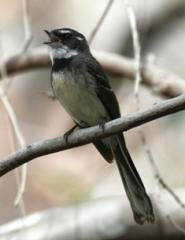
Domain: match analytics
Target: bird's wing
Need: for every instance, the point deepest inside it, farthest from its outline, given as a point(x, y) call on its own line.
point(103, 89)
point(107, 97)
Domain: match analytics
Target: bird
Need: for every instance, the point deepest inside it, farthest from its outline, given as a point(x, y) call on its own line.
point(81, 86)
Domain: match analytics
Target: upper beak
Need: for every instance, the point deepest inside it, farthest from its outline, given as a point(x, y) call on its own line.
point(49, 35)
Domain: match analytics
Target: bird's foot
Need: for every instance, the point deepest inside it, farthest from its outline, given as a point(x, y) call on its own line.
point(102, 126)
point(66, 135)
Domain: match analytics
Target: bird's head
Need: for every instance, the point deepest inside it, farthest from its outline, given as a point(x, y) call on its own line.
point(66, 38)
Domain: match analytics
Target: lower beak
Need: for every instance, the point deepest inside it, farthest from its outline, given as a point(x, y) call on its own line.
point(47, 32)
point(49, 35)
point(47, 42)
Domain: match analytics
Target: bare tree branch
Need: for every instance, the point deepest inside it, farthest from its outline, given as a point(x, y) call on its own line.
point(27, 42)
point(27, 25)
point(13, 120)
point(18, 133)
point(88, 135)
point(20, 138)
point(136, 47)
point(161, 81)
point(98, 25)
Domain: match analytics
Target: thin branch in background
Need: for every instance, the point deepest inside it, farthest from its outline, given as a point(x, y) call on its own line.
point(137, 50)
point(20, 201)
point(6, 103)
point(27, 25)
point(98, 25)
point(12, 145)
point(157, 174)
point(28, 39)
point(12, 116)
point(9, 109)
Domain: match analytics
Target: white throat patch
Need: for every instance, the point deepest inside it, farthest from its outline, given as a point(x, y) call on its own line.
point(62, 52)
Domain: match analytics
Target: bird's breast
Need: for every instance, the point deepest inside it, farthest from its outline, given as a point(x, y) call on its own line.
point(78, 98)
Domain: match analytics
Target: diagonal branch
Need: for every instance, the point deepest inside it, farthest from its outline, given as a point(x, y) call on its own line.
point(98, 25)
point(18, 133)
point(88, 135)
point(160, 80)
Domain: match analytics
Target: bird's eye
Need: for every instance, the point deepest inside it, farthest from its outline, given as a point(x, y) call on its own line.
point(67, 36)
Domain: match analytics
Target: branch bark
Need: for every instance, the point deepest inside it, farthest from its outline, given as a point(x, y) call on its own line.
point(88, 135)
point(161, 81)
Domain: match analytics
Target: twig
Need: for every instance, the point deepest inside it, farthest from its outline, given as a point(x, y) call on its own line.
point(157, 174)
point(12, 116)
point(84, 136)
point(19, 136)
point(28, 39)
point(27, 25)
point(98, 25)
point(20, 202)
point(12, 144)
point(136, 45)
point(24, 48)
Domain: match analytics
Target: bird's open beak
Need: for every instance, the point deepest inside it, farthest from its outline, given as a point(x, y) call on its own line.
point(52, 37)
point(49, 35)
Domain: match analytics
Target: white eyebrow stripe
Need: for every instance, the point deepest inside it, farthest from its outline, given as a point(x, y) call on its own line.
point(79, 38)
point(65, 31)
point(68, 31)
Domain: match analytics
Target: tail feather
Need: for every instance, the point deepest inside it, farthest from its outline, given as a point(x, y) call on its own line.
point(104, 149)
point(135, 190)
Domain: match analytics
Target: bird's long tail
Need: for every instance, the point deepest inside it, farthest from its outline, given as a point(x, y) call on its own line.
point(135, 190)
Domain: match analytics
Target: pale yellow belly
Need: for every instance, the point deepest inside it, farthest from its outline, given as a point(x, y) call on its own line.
point(80, 102)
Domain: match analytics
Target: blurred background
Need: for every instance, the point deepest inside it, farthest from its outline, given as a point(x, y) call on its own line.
point(80, 174)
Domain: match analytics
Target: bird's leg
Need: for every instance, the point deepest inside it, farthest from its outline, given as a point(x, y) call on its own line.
point(66, 135)
point(102, 125)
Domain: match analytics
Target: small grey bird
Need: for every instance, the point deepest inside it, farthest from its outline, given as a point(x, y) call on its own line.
point(81, 86)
